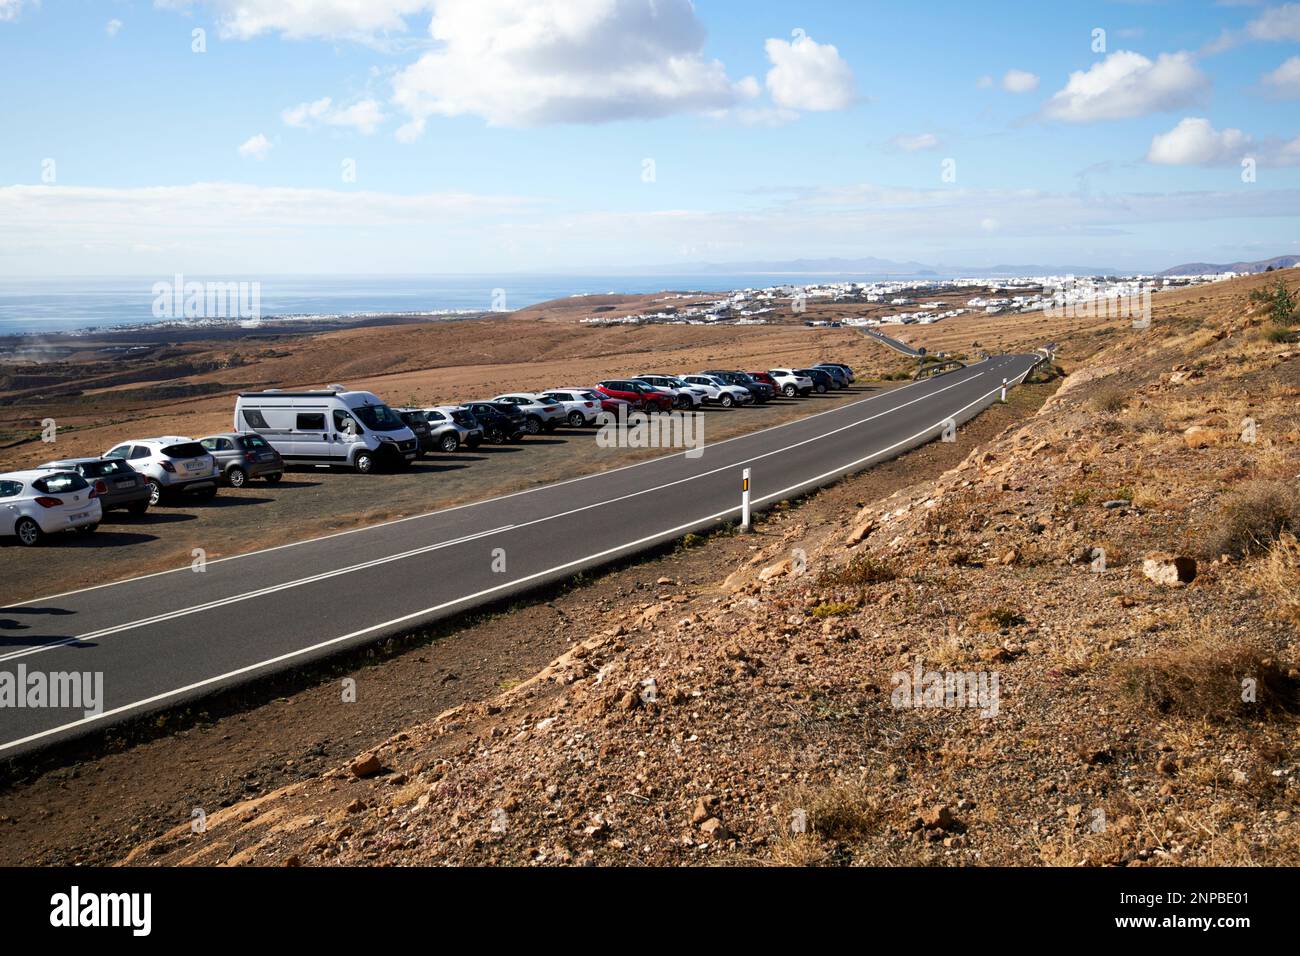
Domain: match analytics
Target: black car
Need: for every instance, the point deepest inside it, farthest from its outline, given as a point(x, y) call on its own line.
point(822, 381)
point(118, 485)
point(501, 422)
point(418, 422)
point(838, 374)
point(761, 391)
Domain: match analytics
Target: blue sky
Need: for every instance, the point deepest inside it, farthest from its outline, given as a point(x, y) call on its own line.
point(579, 135)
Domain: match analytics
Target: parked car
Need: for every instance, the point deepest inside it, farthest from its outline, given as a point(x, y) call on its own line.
point(539, 414)
point(791, 383)
point(821, 379)
point(117, 484)
point(684, 396)
point(501, 423)
point(36, 503)
point(331, 427)
point(718, 392)
point(640, 395)
point(837, 374)
point(418, 423)
point(848, 372)
point(451, 426)
point(767, 380)
point(170, 465)
point(760, 390)
point(242, 457)
point(608, 403)
point(580, 408)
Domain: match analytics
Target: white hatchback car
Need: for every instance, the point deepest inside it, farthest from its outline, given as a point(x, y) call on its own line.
point(718, 392)
point(170, 464)
point(36, 503)
point(580, 408)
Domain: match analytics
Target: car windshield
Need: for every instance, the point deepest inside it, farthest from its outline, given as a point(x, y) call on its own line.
point(105, 469)
point(185, 449)
point(379, 418)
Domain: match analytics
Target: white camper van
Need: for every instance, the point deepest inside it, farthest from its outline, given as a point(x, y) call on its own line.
point(333, 427)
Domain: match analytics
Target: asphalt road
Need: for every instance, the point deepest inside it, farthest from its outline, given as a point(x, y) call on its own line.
point(174, 636)
point(894, 344)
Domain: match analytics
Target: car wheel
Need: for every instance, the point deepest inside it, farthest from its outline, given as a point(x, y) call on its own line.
point(533, 426)
point(155, 492)
point(576, 419)
point(138, 509)
point(726, 401)
point(449, 442)
point(237, 477)
point(498, 438)
point(821, 389)
point(364, 463)
point(683, 401)
point(274, 479)
point(789, 391)
point(29, 532)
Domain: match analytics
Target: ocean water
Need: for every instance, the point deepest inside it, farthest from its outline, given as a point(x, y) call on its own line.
point(70, 304)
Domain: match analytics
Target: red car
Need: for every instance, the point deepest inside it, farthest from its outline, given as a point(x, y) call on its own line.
point(638, 394)
point(766, 380)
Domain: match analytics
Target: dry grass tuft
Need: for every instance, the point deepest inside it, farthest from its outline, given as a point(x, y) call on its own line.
point(1206, 678)
point(1281, 577)
point(1252, 518)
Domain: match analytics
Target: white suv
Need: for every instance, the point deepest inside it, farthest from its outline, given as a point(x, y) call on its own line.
point(539, 413)
point(684, 396)
point(36, 503)
point(718, 392)
point(579, 407)
point(791, 383)
point(170, 464)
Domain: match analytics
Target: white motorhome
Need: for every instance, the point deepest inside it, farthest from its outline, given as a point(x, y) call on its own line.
point(331, 427)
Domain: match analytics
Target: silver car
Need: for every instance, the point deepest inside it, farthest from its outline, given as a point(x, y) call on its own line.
point(447, 419)
point(241, 457)
point(170, 465)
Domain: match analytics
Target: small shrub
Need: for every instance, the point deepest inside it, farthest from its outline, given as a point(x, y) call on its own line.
point(861, 571)
point(1281, 577)
point(1204, 680)
point(1252, 518)
point(1003, 617)
point(1110, 399)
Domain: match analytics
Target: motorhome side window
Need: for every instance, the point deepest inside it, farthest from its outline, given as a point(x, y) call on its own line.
point(311, 422)
point(343, 422)
point(255, 419)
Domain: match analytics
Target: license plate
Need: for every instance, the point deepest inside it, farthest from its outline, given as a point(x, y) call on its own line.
point(79, 515)
point(125, 483)
point(266, 457)
point(410, 456)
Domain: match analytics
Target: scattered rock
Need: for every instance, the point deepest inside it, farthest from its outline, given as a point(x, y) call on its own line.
point(1169, 570)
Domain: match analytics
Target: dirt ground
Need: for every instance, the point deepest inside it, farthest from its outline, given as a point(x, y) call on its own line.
point(92, 803)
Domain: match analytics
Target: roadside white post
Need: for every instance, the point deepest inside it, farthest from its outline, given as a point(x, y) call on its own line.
point(744, 501)
point(1004, 390)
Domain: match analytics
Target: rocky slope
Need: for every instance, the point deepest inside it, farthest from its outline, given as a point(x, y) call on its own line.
point(1113, 582)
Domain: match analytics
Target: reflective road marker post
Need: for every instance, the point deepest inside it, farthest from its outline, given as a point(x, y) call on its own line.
point(744, 501)
point(1004, 390)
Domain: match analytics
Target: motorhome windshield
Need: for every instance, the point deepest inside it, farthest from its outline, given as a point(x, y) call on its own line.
point(379, 418)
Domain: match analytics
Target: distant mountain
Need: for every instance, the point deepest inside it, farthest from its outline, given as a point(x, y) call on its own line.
point(1206, 268)
point(867, 266)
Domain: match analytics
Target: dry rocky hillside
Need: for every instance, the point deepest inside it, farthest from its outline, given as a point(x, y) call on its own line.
point(1121, 564)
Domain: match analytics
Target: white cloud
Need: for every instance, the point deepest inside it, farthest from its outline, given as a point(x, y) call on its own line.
point(807, 75)
point(1276, 23)
point(363, 115)
point(1020, 81)
point(112, 27)
point(9, 9)
point(1127, 84)
point(255, 147)
point(342, 19)
point(1194, 142)
point(914, 143)
point(1285, 80)
point(563, 61)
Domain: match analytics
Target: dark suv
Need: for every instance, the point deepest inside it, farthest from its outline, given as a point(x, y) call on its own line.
point(822, 381)
point(418, 422)
point(761, 391)
point(501, 422)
